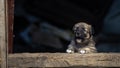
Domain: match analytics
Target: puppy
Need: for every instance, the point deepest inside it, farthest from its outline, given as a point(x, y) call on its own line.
point(83, 41)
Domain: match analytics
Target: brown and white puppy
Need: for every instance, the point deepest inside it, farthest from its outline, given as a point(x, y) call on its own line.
point(83, 41)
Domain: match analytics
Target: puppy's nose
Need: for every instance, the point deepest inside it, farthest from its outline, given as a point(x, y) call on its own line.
point(78, 34)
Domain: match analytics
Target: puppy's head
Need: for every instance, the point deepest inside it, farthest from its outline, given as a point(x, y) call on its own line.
point(82, 31)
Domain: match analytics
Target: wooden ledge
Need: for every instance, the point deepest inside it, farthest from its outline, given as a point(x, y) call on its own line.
point(64, 60)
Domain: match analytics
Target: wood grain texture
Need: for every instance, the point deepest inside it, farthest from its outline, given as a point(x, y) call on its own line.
point(10, 13)
point(3, 36)
point(64, 60)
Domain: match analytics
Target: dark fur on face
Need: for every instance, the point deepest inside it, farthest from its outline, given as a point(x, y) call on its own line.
point(82, 31)
point(83, 41)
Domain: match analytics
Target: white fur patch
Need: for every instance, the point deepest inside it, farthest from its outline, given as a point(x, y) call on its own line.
point(78, 40)
point(82, 51)
point(88, 49)
point(68, 51)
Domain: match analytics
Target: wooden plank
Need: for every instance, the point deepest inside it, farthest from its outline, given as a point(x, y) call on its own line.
point(25, 60)
point(10, 24)
point(3, 36)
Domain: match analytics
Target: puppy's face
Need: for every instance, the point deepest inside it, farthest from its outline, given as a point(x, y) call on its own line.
point(82, 31)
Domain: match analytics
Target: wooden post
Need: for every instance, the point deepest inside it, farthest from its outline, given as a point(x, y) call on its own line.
point(10, 5)
point(3, 34)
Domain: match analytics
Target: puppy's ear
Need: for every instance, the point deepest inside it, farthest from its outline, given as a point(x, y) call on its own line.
point(73, 28)
point(91, 29)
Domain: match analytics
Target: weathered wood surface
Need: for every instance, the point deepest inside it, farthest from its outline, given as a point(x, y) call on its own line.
point(64, 60)
point(10, 8)
point(3, 31)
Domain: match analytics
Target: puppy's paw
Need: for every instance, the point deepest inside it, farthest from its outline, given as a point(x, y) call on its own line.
point(69, 51)
point(87, 50)
point(82, 51)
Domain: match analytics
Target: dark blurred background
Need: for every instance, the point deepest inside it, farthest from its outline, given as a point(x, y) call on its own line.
point(46, 25)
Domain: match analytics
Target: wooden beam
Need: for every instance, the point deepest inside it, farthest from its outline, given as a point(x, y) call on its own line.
point(10, 12)
point(3, 36)
point(64, 60)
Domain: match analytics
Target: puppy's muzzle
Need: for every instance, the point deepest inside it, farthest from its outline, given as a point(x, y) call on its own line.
point(80, 34)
